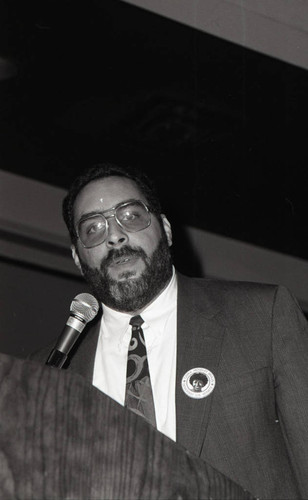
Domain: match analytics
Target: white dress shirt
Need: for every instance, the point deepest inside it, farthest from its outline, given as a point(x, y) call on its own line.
point(159, 329)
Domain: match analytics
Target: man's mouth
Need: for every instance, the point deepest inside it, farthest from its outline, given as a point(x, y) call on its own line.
point(122, 258)
point(118, 261)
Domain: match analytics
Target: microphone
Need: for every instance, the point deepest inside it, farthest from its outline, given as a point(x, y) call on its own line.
point(83, 309)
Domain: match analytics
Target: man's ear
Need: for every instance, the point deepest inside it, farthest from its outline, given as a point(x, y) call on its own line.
point(76, 258)
point(167, 229)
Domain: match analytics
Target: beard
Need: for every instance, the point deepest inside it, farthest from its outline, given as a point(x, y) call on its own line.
point(131, 294)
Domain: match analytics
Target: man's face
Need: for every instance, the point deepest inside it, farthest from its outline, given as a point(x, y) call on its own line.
point(127, 268)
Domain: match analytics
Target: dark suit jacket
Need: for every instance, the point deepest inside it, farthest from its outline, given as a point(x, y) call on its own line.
point(253, 427)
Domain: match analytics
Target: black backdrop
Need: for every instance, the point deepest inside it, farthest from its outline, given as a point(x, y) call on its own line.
point(221, 128)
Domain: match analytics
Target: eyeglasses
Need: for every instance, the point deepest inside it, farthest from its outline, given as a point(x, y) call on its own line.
point(132, 216)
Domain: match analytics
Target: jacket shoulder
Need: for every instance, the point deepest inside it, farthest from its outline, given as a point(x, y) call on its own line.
point(226, 287)
point(231, 299)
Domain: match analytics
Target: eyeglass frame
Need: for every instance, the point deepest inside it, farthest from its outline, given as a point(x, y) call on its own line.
point(114, 209)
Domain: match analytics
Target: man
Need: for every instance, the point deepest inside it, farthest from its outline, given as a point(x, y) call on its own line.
point(228, 362)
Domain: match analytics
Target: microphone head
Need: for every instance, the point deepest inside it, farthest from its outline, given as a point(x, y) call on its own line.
point(85, 306)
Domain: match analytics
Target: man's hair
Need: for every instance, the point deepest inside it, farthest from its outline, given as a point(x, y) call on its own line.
point(101, 171)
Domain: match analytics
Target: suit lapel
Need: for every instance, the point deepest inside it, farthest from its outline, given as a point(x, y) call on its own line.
point(199, 340)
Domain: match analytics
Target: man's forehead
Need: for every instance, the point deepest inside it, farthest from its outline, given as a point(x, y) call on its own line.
point(102, 194)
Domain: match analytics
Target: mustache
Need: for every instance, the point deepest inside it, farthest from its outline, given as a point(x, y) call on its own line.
point(120, 253)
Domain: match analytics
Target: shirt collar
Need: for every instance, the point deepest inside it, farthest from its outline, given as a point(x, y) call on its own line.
point(159, 310)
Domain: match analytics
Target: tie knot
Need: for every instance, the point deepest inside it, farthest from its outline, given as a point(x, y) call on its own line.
point(136, 321)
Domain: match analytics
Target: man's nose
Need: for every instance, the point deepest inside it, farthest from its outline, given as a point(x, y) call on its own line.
point(116, 235)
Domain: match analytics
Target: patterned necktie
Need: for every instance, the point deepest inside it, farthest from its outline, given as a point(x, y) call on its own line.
point(139, 396)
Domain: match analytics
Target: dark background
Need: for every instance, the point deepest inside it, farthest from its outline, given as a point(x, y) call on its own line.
point(222, 129)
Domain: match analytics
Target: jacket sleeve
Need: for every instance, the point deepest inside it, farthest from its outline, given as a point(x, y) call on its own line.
point(290, 370)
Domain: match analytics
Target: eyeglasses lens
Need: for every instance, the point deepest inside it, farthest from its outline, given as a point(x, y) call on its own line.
point(92, 231)
point(132, 217)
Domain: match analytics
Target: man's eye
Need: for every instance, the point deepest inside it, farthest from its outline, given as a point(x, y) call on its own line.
point(94, 228)
point(130, 216)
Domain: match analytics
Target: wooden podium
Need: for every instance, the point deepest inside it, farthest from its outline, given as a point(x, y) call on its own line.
point(61, 438)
